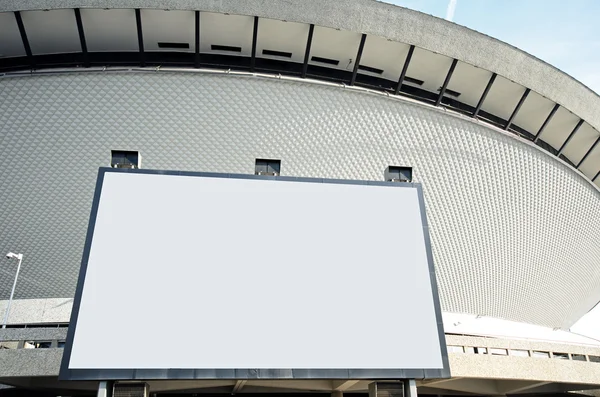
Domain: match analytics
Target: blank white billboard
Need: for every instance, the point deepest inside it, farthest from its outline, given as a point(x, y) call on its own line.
point(234, 276)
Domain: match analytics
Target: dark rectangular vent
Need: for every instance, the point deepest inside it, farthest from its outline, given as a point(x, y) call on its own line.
point(413, 80)
point(216, 47)
point(274, 53)
point(125, 159)
point(325, 60)
point(450, 92)
point(398, 174)
point(177, 46)
point(267, 167)
point(370, 69)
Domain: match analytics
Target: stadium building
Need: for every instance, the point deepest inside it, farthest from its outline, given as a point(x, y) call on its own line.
point(505, 146)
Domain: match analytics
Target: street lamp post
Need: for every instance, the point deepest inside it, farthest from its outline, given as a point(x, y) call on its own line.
point(19, 258)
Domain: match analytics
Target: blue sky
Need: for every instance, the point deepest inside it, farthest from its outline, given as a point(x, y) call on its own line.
point(565, 34)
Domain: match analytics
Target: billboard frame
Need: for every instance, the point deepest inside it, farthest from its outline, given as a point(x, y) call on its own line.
point(80, 374)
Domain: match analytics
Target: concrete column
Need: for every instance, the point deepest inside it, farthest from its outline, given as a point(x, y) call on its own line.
point(337, 393)
point(410, 388)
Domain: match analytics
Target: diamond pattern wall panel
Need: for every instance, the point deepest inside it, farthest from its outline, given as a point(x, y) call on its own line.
point(514, 231)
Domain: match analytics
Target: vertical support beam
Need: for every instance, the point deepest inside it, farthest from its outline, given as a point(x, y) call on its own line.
point(361, 46)
point(588, 152)
point(569, 137)
point(410, 388)
point(446, 81)
point(254, 37)
point(103, 389)
point(311, 30)
point(24, 38)
point(138, 21)
point(197, 41)
point(516, 111)
point(484, 95)
point(404, 69)
point(554, 109)
point(84, 50)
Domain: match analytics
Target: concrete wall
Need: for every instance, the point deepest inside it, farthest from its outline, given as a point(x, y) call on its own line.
point(35, 311)
point(488, 366)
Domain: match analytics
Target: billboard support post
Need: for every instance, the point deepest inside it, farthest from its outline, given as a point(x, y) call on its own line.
point(103, 389)
point(410, 388)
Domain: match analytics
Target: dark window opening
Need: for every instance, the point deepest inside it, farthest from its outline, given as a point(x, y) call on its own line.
point(413, 80)
point(490, 118)
point(521, 132)
point(37, 345)
point(325, 60)
point(329, 74)
point(277, 53)
point(458, 106)
point(566, 160)
point(578, 357)
point(370, 69)
point(216, 47)
point(546, 146)
point(418, 93)
point(540, 354)
point(375, 82)
point(45, 325)
point(450, 92)
point(398, 174)
point(173, 45)
point(267, 167)
point(125, 159)
point(519, 353)
point(278, 66)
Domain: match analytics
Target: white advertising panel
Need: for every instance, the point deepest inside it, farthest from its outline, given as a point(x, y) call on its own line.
point(221, 276)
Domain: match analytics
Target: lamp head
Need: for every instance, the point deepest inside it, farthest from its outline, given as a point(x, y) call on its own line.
point(12, 255)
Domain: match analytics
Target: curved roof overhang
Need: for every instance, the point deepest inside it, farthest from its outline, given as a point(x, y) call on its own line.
point(356, 42)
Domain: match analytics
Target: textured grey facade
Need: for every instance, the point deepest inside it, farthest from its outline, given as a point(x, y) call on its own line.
point(514, 230)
